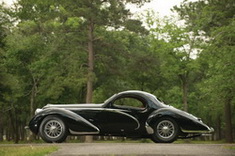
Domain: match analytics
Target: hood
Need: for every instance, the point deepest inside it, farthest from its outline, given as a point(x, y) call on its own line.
point(66, 106)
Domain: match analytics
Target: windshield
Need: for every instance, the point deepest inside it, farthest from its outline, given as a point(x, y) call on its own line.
point(109, 98)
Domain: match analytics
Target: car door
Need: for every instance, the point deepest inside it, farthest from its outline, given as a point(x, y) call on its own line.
point(125, 115)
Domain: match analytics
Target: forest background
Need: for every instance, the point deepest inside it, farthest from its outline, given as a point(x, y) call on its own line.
point(83, 51)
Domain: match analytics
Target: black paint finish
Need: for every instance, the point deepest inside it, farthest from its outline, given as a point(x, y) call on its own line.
point(120, 120)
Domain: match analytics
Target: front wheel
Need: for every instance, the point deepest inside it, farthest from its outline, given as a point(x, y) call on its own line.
point(53, 129)
point(166, 130)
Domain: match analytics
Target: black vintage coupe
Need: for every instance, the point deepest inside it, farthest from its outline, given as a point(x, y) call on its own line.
point(134, 114)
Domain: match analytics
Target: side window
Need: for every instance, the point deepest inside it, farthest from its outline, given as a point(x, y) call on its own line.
point(129, 102)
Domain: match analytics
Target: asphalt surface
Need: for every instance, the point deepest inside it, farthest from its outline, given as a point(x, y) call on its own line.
point(137, 149)
point(143, 149)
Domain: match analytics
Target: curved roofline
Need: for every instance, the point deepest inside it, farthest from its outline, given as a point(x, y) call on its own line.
point(137, 92)
point(134, 91)
point(143, 94)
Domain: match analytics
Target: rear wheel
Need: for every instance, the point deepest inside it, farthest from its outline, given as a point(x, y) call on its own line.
point(53, 129)
point(166, 130)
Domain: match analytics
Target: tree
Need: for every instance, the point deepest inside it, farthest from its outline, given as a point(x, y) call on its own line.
point(216, 19)
point(124, 66)
point(5, 24)
point(40, 64)
point(176, 47)
point(95, 14)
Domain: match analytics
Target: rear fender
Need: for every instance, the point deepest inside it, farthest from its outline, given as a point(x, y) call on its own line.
point(187, 123)
point(76, 123)
point(164, 112)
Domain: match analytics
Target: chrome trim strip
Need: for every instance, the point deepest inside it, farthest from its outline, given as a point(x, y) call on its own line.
point(78, 118)
point(206, 135)
point(111, 110)
point(90, 124)
point(76, 106)
point(100, 109)
point(210, 130)
point(82, 133)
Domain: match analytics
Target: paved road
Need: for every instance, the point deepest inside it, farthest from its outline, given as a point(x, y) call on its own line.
point(141, 149)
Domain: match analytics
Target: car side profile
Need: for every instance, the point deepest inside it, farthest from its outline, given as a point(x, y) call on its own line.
point(133, 114)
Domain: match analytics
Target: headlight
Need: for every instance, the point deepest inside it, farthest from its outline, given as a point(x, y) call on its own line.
point(37, 111)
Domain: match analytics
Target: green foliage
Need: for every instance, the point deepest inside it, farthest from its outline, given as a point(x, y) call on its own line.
point(29, 151)
point(43, 56)
point(207, 15)
point(216, 19)
point(176, 49)
point(45, 53)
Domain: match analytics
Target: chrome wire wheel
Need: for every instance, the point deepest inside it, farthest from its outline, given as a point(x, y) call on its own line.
point(165, 129)
point(53, 129)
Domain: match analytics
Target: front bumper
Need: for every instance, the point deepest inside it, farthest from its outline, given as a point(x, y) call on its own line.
point(37, 111)
point(211, 130)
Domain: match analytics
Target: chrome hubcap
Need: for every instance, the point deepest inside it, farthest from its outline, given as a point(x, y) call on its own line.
point(53, 129)
point(165, 129)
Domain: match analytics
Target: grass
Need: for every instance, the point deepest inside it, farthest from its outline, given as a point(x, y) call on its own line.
point(26, 150)
point(230, 147)
point(22, 142)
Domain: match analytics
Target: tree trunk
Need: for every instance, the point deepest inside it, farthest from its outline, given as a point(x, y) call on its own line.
point(17, 135)
point(1, 126)
point(185, 96)
point(228, 121)
point(90, 64)
point(218, 128)
point(7, 131)
point(22, 131)
point(32, 103)
point(184, 83)
point(90, 70)
point(14, 124)
point(32, 97)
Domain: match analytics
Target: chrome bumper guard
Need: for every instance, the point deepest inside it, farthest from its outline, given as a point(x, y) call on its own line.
point(26, 127)
point(211, 130)
point(149, 129)
point(37, 111)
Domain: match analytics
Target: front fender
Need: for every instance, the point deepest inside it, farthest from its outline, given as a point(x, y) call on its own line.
point(75, 122)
